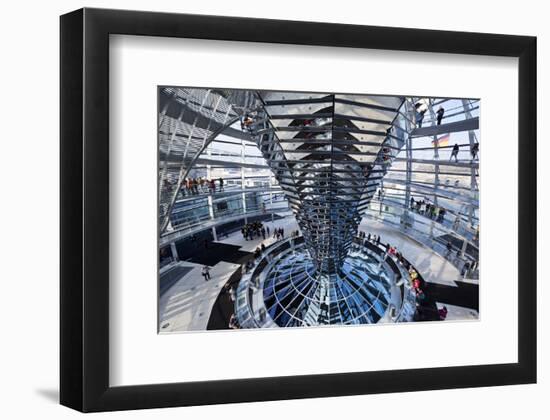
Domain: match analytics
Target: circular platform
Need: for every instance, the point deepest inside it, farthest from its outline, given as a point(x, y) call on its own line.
point(295, 294)
point(285, 290)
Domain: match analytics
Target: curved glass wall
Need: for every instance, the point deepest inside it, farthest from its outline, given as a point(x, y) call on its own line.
point(432, 188)
point(295, 294)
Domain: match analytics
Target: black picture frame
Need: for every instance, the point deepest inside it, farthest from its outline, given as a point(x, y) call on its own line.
point(84, 296)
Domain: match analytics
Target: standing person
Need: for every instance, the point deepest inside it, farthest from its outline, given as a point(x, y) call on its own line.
point(378, 240)
point(206, 272)
point(368, 237)
point(474, 150)
point(184, 186)
point(282, 233)
point(221, 183)
point(412, 203)
point(441, 214)
point(449, 248)
point(420, 296)
point(213, 185)
point(267, 230)
point(233, 323)
point(249, 265)
point(263, 232)
point(454, 153)
point(456, 223)
point(440, 113)
point(420, 111)
point(465, 269)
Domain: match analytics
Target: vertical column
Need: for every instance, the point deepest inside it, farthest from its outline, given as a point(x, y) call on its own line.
point(408, 154)
point(271, 190)
point(243, 180)
point(271, 197)
point(471, 137)
point(209, 198)
point(436, 165)
point(210, 207)
point(214, 234)
point(174, 251)
point(464, 247)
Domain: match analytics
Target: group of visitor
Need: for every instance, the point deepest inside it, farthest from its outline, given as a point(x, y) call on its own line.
point(368, 238)
point(427, 209)
point(254, 230)
point(375, 239)
point(474, 150)
point(414, 280)
point(259, 251)
point(200, 185)
point(279, 233)
point(420, 110)
point(469, 267)
point(423, 306)
point(392, 251)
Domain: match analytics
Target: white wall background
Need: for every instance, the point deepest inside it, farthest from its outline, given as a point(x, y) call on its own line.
point(29, 102)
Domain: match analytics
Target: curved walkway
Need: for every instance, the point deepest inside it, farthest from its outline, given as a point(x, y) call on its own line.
point(434, 268)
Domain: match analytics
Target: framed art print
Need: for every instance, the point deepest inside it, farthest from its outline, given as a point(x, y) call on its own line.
point(258, 209)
